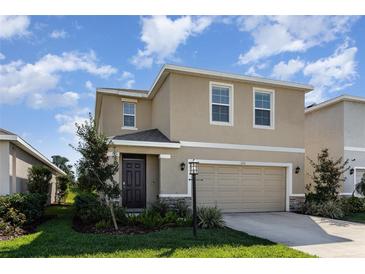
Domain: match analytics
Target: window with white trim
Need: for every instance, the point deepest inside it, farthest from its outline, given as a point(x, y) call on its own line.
point(129, 115)
point(221, 104)
point(263, 108)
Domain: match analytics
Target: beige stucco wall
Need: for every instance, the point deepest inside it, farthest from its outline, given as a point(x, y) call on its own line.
point(4, 168)
point(354, 124)
point(21, 161)
point(162, 108)
point(111, 115)
point(190, 119)
point(152, 178)
point(324, 129)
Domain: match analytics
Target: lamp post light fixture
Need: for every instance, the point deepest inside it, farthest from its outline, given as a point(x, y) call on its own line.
point(193, 170)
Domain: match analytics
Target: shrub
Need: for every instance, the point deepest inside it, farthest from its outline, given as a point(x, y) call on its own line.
point(103, 224)
point(20, 210)
point(62, 187)
point(89, 210)
point(187, 221)
point(39, 177)
point(329, 209)
point(182, 209)
point(210, 217)
point(151, 218)
point(170, 217)
point(120, 215)
point(160, 207)
point(353, 205)
point(133, 219)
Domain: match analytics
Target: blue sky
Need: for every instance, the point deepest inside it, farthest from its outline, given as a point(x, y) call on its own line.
point(50, 65)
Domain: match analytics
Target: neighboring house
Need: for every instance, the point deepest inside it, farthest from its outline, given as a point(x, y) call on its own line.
point(16, 157)
point(246, 132)
point(339, 125)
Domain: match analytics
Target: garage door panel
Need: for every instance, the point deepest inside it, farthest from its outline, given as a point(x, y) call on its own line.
point(242, 188)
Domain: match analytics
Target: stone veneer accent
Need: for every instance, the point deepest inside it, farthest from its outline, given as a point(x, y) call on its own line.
point(172, 201)
point(296, 203)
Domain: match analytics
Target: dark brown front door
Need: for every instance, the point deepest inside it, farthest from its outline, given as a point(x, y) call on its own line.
point(134, 183)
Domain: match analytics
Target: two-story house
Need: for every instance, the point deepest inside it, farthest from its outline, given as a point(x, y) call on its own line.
point(339, 125)
point(246, 132)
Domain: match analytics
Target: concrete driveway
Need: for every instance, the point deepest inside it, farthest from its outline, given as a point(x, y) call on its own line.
point(315, 235)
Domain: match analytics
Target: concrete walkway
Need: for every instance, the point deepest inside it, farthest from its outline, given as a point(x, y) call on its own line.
point(317, 236)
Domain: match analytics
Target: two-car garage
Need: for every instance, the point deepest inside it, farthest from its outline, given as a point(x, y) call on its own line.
point(241, 188)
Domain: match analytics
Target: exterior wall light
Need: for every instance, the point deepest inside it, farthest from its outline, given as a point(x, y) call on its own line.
point(297, 169)
point(182, 166)
point(351, 171)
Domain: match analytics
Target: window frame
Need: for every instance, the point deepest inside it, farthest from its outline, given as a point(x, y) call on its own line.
point(135, 115)
point(271, 92)
point(230, 105)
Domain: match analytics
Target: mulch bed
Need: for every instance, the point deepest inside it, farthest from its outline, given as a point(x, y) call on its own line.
point(26, 230)
point(123, 230)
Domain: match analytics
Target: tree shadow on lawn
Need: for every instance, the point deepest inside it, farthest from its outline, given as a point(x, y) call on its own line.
point(56, 238)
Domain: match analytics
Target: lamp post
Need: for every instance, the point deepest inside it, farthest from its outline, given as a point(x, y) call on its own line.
point(193, 169)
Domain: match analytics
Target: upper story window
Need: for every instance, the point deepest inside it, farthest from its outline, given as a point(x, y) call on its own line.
point(221, 104)
point(263, 102)
point(129, 115)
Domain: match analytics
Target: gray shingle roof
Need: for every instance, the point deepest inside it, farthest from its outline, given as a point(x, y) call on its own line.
point(151, 135)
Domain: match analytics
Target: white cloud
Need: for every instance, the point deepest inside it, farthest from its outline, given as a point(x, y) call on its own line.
point(13, 26)
point(130, 83)
point(58, 34)
point(252, 70)
point(53, 100)
point(19, 80)
point(2, 56)
point(163, 35)
point(331, 74)
point(89, 85)
point(284, 71)
point(126, 75)
point(273, 35)
point(67, 120)
point(128, 79)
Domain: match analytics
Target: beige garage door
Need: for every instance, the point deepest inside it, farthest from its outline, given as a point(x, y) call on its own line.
point(241, 188)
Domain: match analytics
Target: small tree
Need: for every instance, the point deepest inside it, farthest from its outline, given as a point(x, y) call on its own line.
point(39, 178)
point(327, 177)
point(63, 163)
point(62, 187)
point(94, 169)
point(360, 187)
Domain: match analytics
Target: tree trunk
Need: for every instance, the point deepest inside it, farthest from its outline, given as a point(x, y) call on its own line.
point(112, 213)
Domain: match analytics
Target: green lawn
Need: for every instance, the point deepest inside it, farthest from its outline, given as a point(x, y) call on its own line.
point(356, 217)
point(56, 238)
